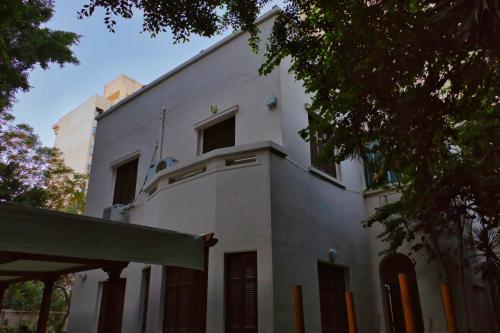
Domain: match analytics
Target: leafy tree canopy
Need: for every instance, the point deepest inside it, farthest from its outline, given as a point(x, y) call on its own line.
point(24, 44)
point(35, 175)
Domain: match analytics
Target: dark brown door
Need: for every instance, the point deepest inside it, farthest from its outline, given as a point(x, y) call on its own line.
point(185, 300)
point(241, 292)
point(146, 277)
point(111, 309)
point(332, 298)
point(390, 267)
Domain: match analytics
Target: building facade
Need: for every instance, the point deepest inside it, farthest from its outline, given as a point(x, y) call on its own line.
point(236, 166)
point(76, 129)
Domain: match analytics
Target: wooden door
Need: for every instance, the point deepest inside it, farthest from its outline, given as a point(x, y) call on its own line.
point(332, 298)
point(111, 308)
point(241, 292)
point(185, 300)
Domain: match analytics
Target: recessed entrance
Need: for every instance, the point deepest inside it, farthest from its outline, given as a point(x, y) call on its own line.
point(390, 267)
point(332, 298)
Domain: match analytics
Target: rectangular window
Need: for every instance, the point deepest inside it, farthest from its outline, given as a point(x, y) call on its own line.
point(220, 135)
point(318, 139)
point(185, 300)
point(146, 277)
point(241, 292)
point(125, 182)
point(332, 298)
point(374, 172)
point(112, 297)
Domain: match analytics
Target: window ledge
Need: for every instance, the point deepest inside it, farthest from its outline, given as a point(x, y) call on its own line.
point(215, 118)
point(326, 177)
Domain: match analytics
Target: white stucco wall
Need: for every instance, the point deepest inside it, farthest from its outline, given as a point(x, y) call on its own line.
point(310, 216)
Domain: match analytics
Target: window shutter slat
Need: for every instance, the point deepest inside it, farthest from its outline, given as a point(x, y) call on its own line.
point(241, 292)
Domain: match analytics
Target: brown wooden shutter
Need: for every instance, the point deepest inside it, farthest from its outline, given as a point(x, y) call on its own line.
point(220, 135)
point(112, 297)
point(332, 298)
point(241, 292)
point(125, 183)
point(146, 277)
point(185, 300)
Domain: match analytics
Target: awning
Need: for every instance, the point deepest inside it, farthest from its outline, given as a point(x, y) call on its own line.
point(36, 242)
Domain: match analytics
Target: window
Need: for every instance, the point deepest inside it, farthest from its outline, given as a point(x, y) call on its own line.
point(185, 300)
point(241, 292)
point(125, 182)
point(146, 277)
point(318, 140)
point(332, 298)
point(112, 297)
point(217, 136)
point(374, 171)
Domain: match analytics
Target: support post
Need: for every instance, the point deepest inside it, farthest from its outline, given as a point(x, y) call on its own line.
point(404, 287)
point(43, 316)
point(298, 309)
point(448, 308)
point(351, 314)
point(3, 289)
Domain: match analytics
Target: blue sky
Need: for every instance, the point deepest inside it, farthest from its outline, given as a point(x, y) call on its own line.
point(103, 56)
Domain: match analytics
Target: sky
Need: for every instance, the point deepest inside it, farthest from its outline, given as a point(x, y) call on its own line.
point(103, 56)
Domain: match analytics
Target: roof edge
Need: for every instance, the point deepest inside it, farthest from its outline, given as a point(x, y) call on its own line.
point(264, 17)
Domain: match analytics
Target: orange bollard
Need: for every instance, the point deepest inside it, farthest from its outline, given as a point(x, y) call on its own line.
point(448, 308)
point(351, 314)
point(404, 287)
point(298, 309)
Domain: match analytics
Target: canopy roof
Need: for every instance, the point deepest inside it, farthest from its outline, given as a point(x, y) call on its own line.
point(38, 242)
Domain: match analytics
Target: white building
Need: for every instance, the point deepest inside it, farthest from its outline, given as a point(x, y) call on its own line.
point(75, 130)
point(243, 173)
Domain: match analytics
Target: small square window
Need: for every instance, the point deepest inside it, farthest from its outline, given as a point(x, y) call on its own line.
point(218, 136)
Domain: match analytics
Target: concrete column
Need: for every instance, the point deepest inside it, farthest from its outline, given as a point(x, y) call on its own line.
point(448, 308)
point(404, 286)
point(43, 315)
point(351, 314)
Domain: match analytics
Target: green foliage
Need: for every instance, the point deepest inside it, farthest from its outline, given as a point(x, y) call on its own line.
point(24, 44)
point(34, 175)
point(27, 296)
point(183, 18)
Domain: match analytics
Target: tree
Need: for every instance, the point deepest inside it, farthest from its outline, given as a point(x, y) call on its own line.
point(202, 17)
point(24, 44)
point(35, 175)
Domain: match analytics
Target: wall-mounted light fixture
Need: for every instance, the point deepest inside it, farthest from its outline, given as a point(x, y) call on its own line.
point(271, 101)
point(332, 254)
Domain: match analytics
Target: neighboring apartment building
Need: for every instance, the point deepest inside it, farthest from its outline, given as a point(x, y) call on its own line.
point(75, 130)
point(281, 217)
